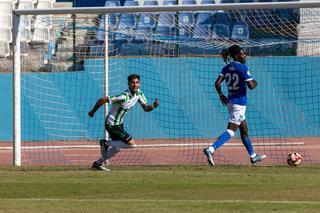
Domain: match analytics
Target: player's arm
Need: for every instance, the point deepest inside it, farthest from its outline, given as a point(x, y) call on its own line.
point(252, 84)
point(148, 108)
point(223, 98)
point(98, 104)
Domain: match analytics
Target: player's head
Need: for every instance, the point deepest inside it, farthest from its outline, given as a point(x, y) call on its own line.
point(236, 53)
point(134, 82)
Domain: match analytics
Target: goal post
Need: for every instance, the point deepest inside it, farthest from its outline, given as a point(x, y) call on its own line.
point(178, 58)
point(16, 91)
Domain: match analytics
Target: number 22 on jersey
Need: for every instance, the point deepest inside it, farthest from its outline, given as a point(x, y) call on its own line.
point(232, 81)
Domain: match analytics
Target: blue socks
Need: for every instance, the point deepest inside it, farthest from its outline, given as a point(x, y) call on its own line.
point(226, 136)
point(221, 140)
point(247, 143)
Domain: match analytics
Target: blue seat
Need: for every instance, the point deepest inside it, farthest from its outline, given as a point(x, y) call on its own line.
point(240, 31)
point(186, 2)
point(150, 3)
point(186, 19)
point(222, 26)
point(169, 2)
point(227, 1)
point(222, 17)
point(131, 3)
point(186, 23)
point(166, 19)
point(221, 31)
point(204, 18)
point(203, 26)
point(147, 22)
point(166, 24)
point(207, 2)
point(145, 26)
point(127, 21)
point(246, 1)
point(112, 3)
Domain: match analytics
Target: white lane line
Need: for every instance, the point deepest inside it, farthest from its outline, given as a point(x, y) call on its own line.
point(151, 145)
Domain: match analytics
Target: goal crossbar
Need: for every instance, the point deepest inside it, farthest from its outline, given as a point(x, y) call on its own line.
point(169, 8)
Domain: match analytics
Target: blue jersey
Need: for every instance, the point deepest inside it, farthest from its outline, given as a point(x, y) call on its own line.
point(236, 75)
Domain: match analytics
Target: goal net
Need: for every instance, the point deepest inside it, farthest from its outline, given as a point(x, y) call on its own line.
point(70, 61)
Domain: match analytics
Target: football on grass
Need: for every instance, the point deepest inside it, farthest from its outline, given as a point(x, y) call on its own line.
point(294, 159)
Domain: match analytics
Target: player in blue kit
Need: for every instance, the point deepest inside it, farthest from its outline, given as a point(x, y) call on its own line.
point(237, 78)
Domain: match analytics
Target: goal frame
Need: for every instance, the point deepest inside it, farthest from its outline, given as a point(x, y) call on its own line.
point(17, 13)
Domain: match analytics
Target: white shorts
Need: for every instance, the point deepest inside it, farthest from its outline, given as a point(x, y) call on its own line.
point(237, 113)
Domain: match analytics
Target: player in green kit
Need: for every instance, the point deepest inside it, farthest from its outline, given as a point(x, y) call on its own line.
point(120, 106)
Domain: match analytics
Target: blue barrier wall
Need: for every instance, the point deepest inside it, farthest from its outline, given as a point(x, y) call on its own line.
point(6, 113)
point(285, 103)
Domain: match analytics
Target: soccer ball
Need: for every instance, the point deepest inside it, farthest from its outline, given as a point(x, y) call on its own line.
point(294, 159)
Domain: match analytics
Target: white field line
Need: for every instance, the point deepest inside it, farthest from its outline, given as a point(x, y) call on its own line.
point(151, 145)
point(163, 200)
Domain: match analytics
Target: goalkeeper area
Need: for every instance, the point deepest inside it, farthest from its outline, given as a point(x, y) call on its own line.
point(83, 54)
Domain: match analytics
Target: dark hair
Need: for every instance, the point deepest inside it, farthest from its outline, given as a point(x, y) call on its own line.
point(230, 52)
point(133, 76)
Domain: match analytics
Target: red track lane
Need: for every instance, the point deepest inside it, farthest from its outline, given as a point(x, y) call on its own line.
point(183, 151)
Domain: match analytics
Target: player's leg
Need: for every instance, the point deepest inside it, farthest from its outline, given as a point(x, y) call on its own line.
point(222, 139)
point(107, 150)
point(254, 158)
point(235, 116)
point(121, 139)
point(245, 138)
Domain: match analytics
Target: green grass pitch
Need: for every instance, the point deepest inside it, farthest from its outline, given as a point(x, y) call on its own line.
point(160, 189)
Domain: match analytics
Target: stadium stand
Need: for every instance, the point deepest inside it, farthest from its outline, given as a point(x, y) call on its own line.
point(6, 8)
point(201, 25)
point(43, 24)
point(4, 49)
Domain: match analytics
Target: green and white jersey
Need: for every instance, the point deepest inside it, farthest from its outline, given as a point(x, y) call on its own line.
point(121, 104)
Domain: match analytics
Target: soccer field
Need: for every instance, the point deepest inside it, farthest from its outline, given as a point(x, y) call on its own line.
point(160, 189)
